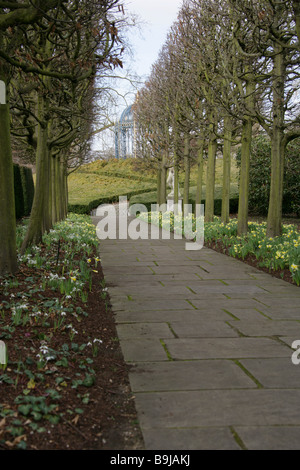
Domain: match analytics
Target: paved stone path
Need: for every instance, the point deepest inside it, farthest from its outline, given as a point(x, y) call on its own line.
point(209, 342)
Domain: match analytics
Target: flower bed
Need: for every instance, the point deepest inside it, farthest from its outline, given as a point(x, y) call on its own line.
point(65, 384)
point(273, 254)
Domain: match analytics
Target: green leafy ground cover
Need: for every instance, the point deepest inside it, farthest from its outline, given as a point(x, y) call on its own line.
point(277, 255)
point(64, 384)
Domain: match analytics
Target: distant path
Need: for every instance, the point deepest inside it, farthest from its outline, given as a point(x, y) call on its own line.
point(209, 340)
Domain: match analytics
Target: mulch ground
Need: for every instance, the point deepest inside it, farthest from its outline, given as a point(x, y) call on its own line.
point(99, 415)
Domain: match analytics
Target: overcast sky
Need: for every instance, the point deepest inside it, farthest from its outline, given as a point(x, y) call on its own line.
point(158, 16)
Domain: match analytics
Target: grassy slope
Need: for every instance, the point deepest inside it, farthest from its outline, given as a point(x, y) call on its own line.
point(103, 179)
point(108, 178)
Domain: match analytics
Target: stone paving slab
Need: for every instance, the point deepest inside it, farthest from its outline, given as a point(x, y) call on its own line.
point(189, 316)
point(151, 277)
point(270, 438)
point(208, 340)
point(188, 375)
point(247, 314)
point(144, 330)
point(283, 312)
point(203, 328)
point(208, 348)
point(274, 372)
point(152, 304)
point(210, 438)
point(288, 340)
point(143, 350)
point(230, 291)
point(227, 303)
point(268, 328)
point(170, 269)
point(158, 290)
point(185, 409)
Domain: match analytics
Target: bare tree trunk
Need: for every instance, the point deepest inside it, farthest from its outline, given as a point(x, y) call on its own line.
point(296, 8)
point(65, 195)
point(245, 163)
point(210, 177)
point(176, 174)
point(226, 170)
point(163, 187)
point(60, 185)
point(186, 191)
point(52, 189)
point(40, 215)
point(8, 251)
point(274, 222)
point(159, 184)
point(199, 170)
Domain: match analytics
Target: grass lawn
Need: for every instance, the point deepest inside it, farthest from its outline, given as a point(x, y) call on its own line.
point(86, 187)
point(108, 178)
point(102, 179)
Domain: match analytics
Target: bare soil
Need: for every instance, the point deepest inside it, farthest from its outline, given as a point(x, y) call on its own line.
point(95, 415)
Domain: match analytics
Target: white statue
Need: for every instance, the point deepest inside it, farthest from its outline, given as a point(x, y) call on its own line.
point(171, 183)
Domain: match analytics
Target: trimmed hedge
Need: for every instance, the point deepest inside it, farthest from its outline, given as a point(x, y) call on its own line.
point(28, 189)
point(24, 190)
point(233, 205)
point(19, 196)
point(260, 177)
point(91, 206)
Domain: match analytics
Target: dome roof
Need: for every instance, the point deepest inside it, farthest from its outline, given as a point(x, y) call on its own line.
point(127, 115)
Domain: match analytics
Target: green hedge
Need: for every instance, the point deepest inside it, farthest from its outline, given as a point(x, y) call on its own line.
point(91, 206)
point(260, 177)
point(19, 196)
point(233, 205)
point(24, 190)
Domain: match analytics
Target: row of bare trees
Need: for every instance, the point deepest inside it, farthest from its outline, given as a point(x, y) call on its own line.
point(52, 53)
point(225, 69)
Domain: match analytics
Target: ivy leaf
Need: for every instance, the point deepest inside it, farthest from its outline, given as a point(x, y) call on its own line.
point(89, 381)
point(24, 409)
point(36, 415)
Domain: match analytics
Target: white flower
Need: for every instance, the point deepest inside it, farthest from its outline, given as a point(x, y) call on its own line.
point(49, 358)
point(24, 306)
